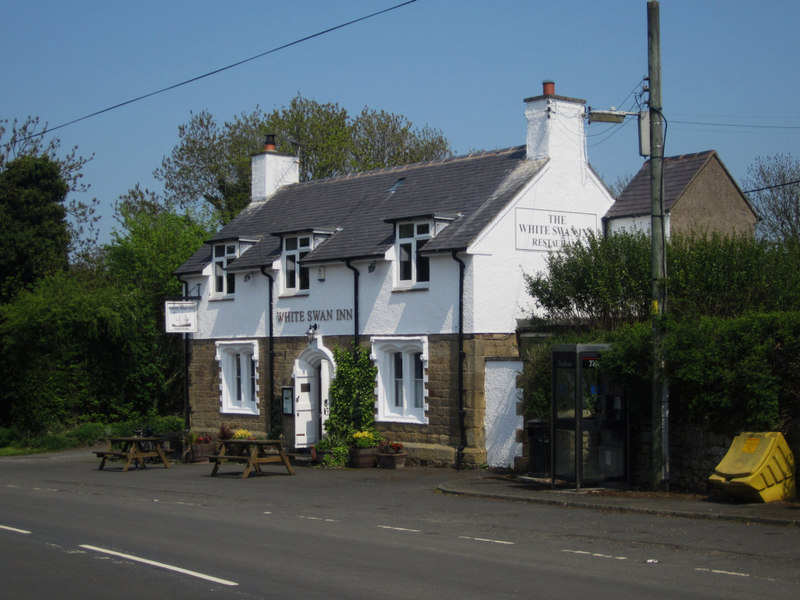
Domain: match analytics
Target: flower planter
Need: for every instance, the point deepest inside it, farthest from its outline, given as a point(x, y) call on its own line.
point(362, 458)
point(391, 461)
point(201, 452)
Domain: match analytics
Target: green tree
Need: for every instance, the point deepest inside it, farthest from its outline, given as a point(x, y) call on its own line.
point(66, 354)
point(35, 238)
point(596, 281)
point(776, 196)
point(211, 163)
point(28, 139)
point(382, 139)
point(144, 252)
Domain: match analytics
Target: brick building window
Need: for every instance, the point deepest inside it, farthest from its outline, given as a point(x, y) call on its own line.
point(238, 376)
point(401, 363)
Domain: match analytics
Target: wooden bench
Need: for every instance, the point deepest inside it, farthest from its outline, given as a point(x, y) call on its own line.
point(224, 457)
point(105, 454)
point(135, 449)
point(253, 453)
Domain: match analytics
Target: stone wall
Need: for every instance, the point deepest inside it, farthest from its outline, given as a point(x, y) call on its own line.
point(435, 443)
point(204, 392)
point(694, 453)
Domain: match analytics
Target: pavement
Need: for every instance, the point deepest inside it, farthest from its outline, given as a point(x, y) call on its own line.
point(477, 483)
point(672, 504)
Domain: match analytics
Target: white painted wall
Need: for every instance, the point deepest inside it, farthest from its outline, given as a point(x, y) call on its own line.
point(565, 194)
point(635, 224)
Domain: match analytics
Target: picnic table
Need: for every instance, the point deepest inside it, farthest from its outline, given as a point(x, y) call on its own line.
point(133, 450)
point(252, 452)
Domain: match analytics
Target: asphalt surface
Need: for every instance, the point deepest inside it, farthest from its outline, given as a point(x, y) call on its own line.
point(475, 483)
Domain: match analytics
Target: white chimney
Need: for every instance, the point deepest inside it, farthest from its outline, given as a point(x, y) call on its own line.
point(271, 170)
point(555, 126)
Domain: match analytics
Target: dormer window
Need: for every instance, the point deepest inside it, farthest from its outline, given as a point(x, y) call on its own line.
point(413, 269)
point(295, 249)
point(224, 282)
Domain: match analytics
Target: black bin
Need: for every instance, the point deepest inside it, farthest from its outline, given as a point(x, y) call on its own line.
point(538, 447)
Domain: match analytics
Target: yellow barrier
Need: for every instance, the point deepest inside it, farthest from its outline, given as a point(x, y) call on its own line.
point(757, 467)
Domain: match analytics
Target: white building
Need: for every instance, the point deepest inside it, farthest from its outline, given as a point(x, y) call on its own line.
point(422, 264)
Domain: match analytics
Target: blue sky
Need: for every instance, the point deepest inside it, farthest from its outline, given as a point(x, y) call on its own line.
point(463, 67)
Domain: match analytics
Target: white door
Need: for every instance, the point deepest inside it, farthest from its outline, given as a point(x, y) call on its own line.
point(501, 421)
point(306, 419)
point(312, 375)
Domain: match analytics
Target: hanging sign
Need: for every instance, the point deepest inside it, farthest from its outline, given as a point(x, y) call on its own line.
point(180, 316)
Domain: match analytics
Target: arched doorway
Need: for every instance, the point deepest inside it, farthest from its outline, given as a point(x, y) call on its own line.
point(313, 371)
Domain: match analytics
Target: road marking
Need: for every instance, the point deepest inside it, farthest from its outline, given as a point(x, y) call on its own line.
point(307, 518)
point(14, 529)
point(475, 539)
point(596, 554)
point(718, 572)
point(399, 529)
point(160, 565)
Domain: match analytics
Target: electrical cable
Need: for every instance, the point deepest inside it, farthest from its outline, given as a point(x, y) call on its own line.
point(772, 187)
point(220, 70)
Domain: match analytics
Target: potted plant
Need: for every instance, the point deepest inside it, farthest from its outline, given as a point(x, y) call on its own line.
point(391, 455)
point(329, 442)
point(364, 447)
point(202, 446)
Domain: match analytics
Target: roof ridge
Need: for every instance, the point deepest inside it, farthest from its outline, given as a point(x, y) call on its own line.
point(690, 155)
point(416, 165)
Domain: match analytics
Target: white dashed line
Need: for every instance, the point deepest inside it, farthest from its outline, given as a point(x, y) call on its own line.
point(14, 530)
point(476, 539)
point(399, 529)
point(718, 572)
point(595, 554)
point(160, 565)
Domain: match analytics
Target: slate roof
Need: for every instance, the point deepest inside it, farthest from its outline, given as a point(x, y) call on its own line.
point(359, 210)
point(679, 171)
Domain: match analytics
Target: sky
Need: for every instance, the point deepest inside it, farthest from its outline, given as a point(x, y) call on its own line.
point(730, 72)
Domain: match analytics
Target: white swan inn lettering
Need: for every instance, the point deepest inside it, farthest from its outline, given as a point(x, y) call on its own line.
point(312, 316)
point(543, 230)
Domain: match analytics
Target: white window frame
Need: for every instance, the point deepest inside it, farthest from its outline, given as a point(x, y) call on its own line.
point(223, 283)
point(238, 376)
point(412, 407)
point(413, 269)
point(296, 278)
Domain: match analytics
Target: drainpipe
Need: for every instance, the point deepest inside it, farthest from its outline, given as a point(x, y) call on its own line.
point(462, 413)
point(271, 350)
point(356, 276)
point(186, 359)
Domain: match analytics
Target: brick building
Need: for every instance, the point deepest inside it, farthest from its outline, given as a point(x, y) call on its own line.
point(421, 264)
point(699, 195)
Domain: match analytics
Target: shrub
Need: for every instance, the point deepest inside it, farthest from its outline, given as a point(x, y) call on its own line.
point(87, 434)
point(7, 437)
point(352, 392)
point(338, 457)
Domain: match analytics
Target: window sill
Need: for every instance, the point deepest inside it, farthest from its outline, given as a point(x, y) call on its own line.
point(414, 288)
point(239, 411)
point(406, 419)
point(301, 294)
point(221, 299)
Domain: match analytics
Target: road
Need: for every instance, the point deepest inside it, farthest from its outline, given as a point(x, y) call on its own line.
point(68, 530)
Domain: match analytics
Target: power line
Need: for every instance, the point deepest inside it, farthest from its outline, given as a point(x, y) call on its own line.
point(221, 69)
point(772, 187)
point(736, 125)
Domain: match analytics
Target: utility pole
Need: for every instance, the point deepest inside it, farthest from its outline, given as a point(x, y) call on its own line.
point(658, 271)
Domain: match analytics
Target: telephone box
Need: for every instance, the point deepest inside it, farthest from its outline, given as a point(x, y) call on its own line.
point(589, 419)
